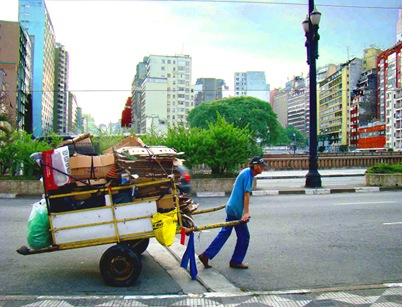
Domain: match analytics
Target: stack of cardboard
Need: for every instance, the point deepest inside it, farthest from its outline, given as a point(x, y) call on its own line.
point(130, 162)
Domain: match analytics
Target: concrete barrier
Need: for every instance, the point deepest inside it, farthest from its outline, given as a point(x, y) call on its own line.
point(383, 180)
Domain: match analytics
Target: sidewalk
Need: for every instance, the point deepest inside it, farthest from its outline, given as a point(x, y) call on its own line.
point(293, 182)
point(377, 295)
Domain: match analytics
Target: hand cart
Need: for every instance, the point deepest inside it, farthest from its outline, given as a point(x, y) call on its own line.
point(127, 225)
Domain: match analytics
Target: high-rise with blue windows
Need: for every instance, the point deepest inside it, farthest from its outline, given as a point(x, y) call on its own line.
point(34, 17)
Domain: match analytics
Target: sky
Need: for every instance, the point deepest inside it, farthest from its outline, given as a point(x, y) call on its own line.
point(106, 39)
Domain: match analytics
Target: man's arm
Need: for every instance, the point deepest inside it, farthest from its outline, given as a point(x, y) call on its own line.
point(246, 214)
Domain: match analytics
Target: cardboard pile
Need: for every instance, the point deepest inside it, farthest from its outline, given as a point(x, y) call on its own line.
point(128, 163)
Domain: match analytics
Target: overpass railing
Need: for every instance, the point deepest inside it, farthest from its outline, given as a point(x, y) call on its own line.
point(328, 161)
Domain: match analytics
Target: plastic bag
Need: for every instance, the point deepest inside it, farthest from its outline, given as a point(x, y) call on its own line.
point(164, 226)
point(38, 235)
point(57, 167)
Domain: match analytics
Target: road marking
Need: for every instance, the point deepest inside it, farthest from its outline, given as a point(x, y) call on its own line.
point(394, 223)
point(366, 203)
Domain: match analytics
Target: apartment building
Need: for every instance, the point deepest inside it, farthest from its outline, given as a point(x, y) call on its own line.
point(166, 95)
point(61, 115)
point(251, 83)
point(140, 75)
point(72, 113)
point(280, 106)
point(298, 105)
point(333, 104)
point(34, 17)
point(16, 64)
point(389, 69)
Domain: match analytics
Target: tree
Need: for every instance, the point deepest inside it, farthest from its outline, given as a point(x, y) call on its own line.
point(226, 146)
point(242, 112)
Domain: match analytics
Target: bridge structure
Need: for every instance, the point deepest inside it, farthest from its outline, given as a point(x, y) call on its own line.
point(330, 161)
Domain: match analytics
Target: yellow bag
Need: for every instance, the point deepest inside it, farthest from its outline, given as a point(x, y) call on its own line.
point(164, 226)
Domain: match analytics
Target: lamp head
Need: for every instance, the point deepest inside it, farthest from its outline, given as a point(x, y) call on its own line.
point(315, 17)
point(305, 24)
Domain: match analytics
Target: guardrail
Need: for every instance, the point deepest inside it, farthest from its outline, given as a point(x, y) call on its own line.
point(328, 161)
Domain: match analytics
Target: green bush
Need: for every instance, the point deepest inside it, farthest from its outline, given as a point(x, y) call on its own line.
point(384, 168)
point(16, 150)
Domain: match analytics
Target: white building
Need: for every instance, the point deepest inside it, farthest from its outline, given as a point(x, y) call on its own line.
point(251, 83)
point(166, 96)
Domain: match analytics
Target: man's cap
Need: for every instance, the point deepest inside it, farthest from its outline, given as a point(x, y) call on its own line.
point(258, 160)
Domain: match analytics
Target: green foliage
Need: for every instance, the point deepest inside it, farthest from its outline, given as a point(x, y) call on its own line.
point(384, 168)
point(189, 141)
point(242, 112)
point(15, 153)
point(226, 146)
point(300, 139)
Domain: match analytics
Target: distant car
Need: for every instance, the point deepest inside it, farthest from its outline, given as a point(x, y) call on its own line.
point(381, 150)
point(185, 179)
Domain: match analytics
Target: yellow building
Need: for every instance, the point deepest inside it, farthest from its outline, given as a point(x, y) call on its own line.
point(333, 102)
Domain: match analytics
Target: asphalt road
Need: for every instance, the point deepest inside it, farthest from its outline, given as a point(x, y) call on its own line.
point(298, 242)
point(301, 241)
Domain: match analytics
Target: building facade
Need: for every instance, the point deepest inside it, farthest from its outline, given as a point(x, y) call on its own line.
point(166, 92)
point(389, 68)
point(34, 17)
point(298, 110)
point(251, 83)
point(61, 116)
point(16, 63)
point(208, 89)
point(136, 93)
point(333, 103)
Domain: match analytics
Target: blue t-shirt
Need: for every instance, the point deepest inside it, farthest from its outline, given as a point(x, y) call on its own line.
point(243, 184)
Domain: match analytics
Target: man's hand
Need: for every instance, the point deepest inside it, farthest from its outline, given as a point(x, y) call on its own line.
point(245, 217)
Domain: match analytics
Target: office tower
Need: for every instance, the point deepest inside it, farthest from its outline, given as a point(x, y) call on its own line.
point(251, 83)
point(208, 89)
point(34, 17)
point(16, 64)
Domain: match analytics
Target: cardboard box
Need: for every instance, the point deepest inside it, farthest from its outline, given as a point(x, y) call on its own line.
point(91, 167)
point(166, 202)
point(131, 140)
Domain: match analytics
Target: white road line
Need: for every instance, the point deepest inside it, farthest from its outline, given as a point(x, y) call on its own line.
point(366, 203)
point(395, 223)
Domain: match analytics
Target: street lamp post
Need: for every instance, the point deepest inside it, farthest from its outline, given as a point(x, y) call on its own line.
point(310, 26)
point(294, 143)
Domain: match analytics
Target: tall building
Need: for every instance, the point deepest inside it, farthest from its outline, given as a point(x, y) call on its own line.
point(61, 114)
point(363, 105)
point(72, 113)
point(389, 68)
point(16, 63)
point(298, 106)
point(333, 103)
point(166, 96)
point(280, 106)
point(399, 26)
point(34, 17)
point(140, 75)
point(251, 83)
point(208, 89)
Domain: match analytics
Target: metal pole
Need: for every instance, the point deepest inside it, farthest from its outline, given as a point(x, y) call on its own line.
point(313, 178)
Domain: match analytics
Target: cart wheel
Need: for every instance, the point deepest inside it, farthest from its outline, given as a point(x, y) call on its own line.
point(139, 246)
point(120, 266)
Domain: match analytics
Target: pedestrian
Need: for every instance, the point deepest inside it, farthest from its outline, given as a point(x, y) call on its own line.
point(237, 208)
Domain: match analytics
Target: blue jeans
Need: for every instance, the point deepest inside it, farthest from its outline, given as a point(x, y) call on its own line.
point(243, 239)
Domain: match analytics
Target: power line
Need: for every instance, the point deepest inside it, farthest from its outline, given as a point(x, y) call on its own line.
point(242, 2)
